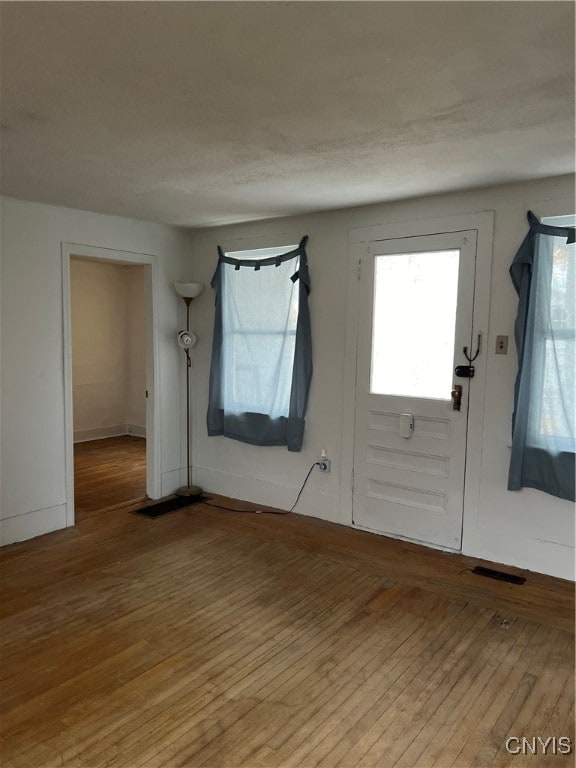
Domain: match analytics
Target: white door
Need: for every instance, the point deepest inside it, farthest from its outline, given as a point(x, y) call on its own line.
point(415, 316)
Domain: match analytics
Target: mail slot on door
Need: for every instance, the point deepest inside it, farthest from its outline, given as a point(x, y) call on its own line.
point(406, 425)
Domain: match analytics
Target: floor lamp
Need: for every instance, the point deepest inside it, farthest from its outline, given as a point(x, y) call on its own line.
point(186, 341)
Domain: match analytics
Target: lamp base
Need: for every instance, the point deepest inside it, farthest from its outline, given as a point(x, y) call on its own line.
point(189, 490)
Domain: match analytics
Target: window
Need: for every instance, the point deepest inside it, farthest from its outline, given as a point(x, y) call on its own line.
point(401, 363)
point(543, 441)
point(261, 355)
point(552, 414)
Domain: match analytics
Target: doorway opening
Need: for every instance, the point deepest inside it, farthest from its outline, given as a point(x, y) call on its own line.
point(108, 383)
point(111, 435)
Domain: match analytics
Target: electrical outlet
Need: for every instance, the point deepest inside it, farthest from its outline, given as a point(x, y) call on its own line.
point(501, 345)
point(325, 465)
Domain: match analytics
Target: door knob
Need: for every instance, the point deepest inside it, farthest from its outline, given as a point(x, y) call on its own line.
point(456, 397)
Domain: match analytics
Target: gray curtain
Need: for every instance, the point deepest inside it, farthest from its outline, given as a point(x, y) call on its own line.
point(543, 423)
point(262, 350)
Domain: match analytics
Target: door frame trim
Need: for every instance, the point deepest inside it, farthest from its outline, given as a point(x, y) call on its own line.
point(358, 241)
point(153, 430)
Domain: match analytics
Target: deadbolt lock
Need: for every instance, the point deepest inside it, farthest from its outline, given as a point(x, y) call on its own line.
point(456, 397)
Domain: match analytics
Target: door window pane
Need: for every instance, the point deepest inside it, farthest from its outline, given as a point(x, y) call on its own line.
point(414, 320)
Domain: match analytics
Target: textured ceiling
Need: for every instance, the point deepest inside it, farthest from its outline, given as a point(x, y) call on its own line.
point(200, 113)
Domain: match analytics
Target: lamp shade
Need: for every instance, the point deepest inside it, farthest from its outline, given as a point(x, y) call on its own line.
point(189, 290)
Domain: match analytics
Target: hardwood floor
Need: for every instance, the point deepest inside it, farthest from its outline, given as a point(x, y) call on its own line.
point(212, 638)
point(107, 473)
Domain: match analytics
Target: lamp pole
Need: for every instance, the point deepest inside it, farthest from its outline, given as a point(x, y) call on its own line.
point(188, 291)
point(188, 300)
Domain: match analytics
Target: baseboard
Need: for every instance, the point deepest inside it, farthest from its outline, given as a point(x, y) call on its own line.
point(116, 430)
point(32, 524)
point(312, 503)
point(552, 558)
point(175, 478)
point(136, 430)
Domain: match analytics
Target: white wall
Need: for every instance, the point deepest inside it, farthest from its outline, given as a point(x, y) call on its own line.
point(527, 528)
point(108, 349)
point(32, 436)
point(99, 345)
point(136, 351)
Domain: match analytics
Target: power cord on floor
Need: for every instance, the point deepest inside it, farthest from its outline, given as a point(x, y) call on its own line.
point(270, 511)
point(316, 464)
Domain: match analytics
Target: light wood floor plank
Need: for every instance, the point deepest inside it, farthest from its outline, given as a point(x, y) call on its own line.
point(488, 671)
point(561, 723)
point(533, 717)
point(228, 648)
point(319, 685)
point(215, 639)
point(271, 665)
point(487, 731)
point(386, 669)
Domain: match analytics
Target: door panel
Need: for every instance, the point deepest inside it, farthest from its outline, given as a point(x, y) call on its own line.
point(416, 303)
